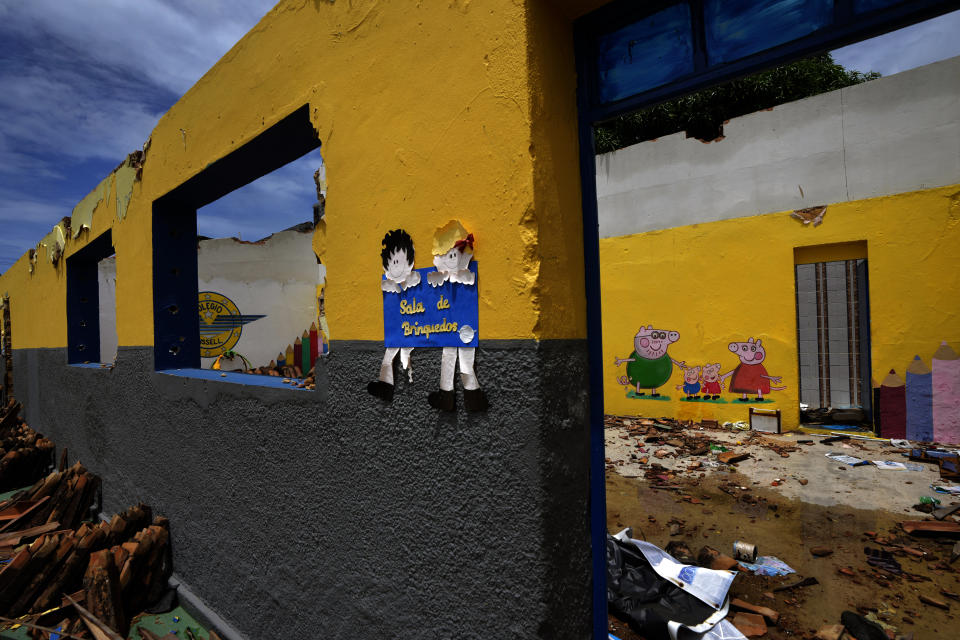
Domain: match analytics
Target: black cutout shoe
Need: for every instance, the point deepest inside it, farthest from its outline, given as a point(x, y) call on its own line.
point(653, 395)
point(743, 399)
point(475, 400)
point(443, 400)
point(381, 389)
point(716, 397)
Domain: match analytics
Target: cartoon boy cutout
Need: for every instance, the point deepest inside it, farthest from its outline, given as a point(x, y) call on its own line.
point(453, 251)
point(397, 256)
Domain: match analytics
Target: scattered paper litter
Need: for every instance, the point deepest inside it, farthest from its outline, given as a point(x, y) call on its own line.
point(850, 460)
point(952, 489)
point(768, 566)
point(890, 465)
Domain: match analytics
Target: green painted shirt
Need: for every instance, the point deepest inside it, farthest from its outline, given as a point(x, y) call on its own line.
point(649, 374)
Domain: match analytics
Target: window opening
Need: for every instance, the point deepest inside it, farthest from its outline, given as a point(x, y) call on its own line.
point(626, 110)
point(91, 319)
point(241, 285)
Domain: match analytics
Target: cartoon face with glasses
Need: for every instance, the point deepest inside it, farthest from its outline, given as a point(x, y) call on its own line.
point(649, 367)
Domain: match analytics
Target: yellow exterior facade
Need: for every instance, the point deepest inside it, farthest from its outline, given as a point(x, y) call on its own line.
point(728, 281)
point(425, 113)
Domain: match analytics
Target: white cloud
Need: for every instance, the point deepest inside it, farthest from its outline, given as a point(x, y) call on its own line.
point(905, 48)
point(275, 202)
point(170, 42)
point(84, 83)
point(62, 112)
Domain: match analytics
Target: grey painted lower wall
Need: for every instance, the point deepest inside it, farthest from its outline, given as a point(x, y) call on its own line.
point(304, 515)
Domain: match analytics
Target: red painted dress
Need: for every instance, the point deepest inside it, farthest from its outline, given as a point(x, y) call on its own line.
point(749, 378)
point(711, 388)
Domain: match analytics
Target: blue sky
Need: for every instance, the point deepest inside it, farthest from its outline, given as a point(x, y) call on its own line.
point(83, 83)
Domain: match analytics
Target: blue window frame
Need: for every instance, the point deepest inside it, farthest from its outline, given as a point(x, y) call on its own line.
point(607, 88)
point(83, 300)
point(175, 287)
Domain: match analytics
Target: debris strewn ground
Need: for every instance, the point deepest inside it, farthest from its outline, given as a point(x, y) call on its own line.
point(695, 489)
point(66, 573)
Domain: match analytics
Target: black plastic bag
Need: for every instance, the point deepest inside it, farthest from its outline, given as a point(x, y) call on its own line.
point(639, 596)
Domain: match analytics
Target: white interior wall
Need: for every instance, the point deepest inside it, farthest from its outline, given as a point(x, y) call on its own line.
point(891, 135)
point(275, 277)
point(107, 279)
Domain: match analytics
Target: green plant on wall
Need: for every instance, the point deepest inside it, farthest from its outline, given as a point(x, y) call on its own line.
point(703, 113)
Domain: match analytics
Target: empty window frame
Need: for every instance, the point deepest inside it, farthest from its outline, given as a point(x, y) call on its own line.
point(833, 334)
point(85, 309)
point(177, 348)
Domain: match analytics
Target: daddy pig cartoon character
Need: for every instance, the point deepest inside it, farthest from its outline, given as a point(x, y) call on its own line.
point(750, 376)
point(712, 382)
point(691, 383)
point(649, 366)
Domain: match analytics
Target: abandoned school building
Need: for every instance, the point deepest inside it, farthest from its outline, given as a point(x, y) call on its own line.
point(460, 135)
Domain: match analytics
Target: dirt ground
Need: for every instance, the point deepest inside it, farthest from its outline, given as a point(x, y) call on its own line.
point(845, 511)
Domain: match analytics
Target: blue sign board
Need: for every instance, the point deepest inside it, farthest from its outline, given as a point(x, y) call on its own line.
point(426, 316)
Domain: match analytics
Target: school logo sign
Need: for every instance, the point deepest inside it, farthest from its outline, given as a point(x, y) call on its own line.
point(221, 324)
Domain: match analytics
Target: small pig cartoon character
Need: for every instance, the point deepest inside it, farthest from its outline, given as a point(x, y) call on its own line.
point(691, 383)
point(712, 382)
point(750, 376)
point(649, 365)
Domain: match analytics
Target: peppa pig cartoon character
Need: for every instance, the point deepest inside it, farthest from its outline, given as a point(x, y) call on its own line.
point(649, 365)
point(712, 382)
point(691, 383)
point(750, 376)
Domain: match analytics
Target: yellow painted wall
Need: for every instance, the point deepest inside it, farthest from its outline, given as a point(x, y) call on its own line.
point(425, 111)
point(727, 281)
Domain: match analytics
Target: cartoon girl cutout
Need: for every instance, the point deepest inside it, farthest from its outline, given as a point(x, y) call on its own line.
point(453, 251)
point(397, 255)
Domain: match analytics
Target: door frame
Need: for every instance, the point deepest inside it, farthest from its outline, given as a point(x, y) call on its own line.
point(847, 27)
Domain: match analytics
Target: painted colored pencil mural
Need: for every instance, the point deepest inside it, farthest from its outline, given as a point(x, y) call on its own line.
point(946, 395)
point(303, 352)
point(893, 406)
point(925, 407)
point(919, 397)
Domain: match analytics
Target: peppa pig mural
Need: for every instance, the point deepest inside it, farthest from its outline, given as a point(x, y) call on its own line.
point(750, 376)
point(712, 382)
point(691, 383)
point(649, 366)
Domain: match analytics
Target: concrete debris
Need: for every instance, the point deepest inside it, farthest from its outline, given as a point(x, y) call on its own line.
point(810, 215)
point(750, 624)
point(841, 531)
point(64, 569)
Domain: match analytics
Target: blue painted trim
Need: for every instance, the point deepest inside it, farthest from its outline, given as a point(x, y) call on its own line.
point(176, 321)
point(91, 365)
point(608, 18)
point(83, 300)
point(591, 261)
point(846, 28)
point(248, 379)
